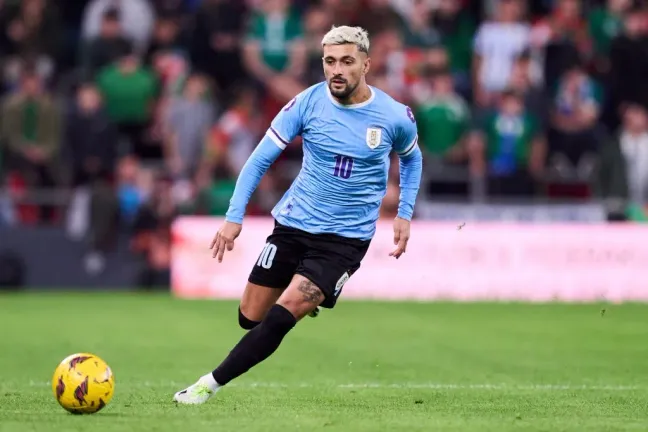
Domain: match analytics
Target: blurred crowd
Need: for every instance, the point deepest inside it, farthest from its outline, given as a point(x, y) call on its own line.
point(121, 114)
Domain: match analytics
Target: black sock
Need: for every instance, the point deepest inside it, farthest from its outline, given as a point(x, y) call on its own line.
point(257, 345)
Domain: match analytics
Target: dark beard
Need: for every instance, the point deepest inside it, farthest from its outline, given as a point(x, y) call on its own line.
point(343, 94)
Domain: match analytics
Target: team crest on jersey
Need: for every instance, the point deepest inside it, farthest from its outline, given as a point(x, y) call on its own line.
point(374, 136)
point(287, 208)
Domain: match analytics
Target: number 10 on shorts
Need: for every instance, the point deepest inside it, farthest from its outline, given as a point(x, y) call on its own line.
point(267, 255)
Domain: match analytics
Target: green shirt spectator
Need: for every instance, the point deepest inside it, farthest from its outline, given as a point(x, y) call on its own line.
point(217, 196)
point(31, 123)
point(274, 33)
point(457, 33)
point(509, 139)
point(443, 118)
point(129, 91)
point(442, 123)
point(604, 25)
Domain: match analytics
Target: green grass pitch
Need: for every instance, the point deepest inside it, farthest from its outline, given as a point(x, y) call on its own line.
point(361, 367)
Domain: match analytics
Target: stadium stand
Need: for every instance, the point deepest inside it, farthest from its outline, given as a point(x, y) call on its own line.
point(119, 115)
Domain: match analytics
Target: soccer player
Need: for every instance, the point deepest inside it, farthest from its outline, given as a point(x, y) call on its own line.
point(327, 218)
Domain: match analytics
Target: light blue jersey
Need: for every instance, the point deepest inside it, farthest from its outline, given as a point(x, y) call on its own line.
point(343, 178)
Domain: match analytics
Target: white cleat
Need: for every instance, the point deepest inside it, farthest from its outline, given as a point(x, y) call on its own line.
point(196, 394)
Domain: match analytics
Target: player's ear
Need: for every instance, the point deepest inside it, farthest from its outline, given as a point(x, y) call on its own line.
point(366, 66)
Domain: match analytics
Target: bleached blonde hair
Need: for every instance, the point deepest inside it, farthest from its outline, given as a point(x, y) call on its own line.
point(347, 35)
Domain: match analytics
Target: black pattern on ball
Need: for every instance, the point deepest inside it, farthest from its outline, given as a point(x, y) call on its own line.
point(81, 391)
point(78, 360)
point(60, 388)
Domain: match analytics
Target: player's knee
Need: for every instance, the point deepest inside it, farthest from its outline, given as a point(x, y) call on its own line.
point(297, 307)
point(301, 298)
point(279, 319)
point(245, 322)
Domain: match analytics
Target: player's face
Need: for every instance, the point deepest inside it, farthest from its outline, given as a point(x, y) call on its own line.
point(344, 68)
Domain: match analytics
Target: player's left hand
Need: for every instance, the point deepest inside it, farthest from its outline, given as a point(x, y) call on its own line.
point(401, 236)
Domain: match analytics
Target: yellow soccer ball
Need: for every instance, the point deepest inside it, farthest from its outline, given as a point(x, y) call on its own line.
point(83, 383)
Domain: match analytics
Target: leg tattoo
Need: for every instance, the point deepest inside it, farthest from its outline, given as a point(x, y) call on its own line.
point(310, 292)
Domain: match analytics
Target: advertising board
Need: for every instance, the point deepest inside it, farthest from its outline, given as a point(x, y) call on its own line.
point(495, 262)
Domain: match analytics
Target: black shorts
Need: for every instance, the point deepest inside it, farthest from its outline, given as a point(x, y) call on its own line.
point(327, 260)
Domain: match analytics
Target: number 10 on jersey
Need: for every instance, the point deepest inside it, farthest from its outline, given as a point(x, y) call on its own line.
point(343, 166)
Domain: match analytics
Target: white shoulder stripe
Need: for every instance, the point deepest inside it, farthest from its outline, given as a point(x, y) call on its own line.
point(275, 139)
point(410, 148)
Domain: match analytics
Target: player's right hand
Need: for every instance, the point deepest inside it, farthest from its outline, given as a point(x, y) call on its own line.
point(224, 239)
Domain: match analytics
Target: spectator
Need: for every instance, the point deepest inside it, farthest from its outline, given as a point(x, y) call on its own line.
point(129, 91)
point(232, 141)
point(574, 115)
point(32, 32)
point(31, 128)
point(92, 138)
point(133, 189)
point(172, 70)
point(418, 32)
point(317, 21)
point(605, 24)
point(166, 38)
point(215, 41)
point(509, 148)
point(443, 120)
point(104, 227)
point(188, 121)
point(633, 139)
point(137, 19)
point(378, 16)
point(560, 38)
point(405, 7)
point(391, 69)
point(34, 29)
point(107, 47)
point(610, 184)
point(177, 8)
point(497, 43)
point(236, 133)
point(457, 30)
point(216, 188)
point(535, 99)
point(156, 253)
point(274, 52)
point(152, 234)
point(629, 67)
point(343, 12)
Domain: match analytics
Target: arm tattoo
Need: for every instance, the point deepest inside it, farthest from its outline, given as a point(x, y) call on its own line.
point(311, 293)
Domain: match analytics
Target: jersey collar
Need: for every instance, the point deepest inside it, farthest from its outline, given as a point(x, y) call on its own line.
point(354, 106)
